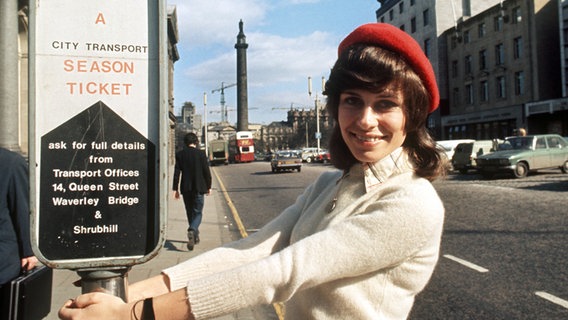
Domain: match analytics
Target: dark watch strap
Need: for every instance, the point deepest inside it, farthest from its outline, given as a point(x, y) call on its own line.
point(148, 309)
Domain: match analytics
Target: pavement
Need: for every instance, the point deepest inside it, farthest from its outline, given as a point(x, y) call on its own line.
point(214, 231)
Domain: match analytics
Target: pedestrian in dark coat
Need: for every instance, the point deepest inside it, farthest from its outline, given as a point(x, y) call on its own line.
point(193, 166)
point(15, 247)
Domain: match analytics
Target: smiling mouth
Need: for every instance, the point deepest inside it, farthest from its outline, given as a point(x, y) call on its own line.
point(368, 139)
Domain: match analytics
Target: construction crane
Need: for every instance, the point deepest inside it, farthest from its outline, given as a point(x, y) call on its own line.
point(287, 108)
point(223, 109)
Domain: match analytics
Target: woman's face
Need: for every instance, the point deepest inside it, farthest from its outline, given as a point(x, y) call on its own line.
point(372, 124)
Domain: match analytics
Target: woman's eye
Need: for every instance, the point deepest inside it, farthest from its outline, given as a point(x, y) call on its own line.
point(386, 105)
point(352, 101)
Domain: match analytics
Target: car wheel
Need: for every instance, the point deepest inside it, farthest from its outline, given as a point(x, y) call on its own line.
point(309, 159)
point(299, 169)
point(273, 170)
point(564, 167)
point(521, 170)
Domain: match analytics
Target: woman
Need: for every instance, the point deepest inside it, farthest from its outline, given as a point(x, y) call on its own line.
point(359, 243)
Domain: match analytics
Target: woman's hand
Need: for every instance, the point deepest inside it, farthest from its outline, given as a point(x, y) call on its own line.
point(28, 263)
point(97, 305)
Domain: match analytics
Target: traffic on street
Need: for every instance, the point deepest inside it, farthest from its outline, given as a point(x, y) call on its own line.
point(503, 253)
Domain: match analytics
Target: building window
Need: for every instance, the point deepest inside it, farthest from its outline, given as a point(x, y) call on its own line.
point(456, 95)
point(481, 31)
point(412, 2)
point(413, 24)
point(484, 91)
point(427, 48)
point(501, 87)
point(466, 36)
point(391, 15)
point(402, 27)
point(454, 68)
point(469, 94)
point(517, 15)
point(499, 54)
point(426, 17)
point(468, 61)
point(383, 19)
point(483, 60)
point(401, 7)
point(498, 23)
point(518, 47)
point(431, 122)
point(519, 83)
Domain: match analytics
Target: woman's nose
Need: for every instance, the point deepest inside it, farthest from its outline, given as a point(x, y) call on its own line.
point(368, 118)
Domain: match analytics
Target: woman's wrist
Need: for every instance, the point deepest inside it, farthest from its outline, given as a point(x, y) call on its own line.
point(141, 310)
point(151, 287)
point(134, 310)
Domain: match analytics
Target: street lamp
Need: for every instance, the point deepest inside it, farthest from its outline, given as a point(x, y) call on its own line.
point(205, 122)
point(318, 133)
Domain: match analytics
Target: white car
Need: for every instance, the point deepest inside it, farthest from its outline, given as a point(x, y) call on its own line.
point(449, 146)
point(308, 154)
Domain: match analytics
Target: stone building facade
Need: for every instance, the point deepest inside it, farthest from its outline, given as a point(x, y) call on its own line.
point(426, 21)
point(500, 61)
point(298, 131)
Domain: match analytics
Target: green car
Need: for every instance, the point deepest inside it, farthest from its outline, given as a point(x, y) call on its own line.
point(286, 160)
point(519, 155)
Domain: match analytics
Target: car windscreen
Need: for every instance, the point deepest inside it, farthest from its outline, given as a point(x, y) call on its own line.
point(287, 155)
point(517, 143)
point(464, 147)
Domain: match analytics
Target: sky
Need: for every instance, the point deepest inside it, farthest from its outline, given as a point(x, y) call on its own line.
point(288, 41)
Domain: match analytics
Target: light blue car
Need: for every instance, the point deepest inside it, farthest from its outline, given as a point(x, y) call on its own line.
point(520, 155)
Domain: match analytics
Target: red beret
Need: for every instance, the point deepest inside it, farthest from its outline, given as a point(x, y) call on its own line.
point(392, 38)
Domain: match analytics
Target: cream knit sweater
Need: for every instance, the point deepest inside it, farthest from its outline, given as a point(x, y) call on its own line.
point(366, 259)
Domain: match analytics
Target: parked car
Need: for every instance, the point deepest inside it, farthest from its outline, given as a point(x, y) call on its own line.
point(466, 153)
point(286, 160)
point(519, 155)
point(449, 146)
point(322, 157)
point(308, 154)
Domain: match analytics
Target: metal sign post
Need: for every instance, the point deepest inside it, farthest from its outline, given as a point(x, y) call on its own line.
point(98, 112)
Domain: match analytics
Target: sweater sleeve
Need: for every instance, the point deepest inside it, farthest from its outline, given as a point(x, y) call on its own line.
point(392, 227)
point(269, 239)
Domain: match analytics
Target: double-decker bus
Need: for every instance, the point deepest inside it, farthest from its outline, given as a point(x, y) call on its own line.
point(241, 147)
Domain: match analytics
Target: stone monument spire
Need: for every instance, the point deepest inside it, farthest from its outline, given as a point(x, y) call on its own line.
point(242, 95)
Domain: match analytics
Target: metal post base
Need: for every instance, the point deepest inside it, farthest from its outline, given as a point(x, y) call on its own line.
point(113, 281)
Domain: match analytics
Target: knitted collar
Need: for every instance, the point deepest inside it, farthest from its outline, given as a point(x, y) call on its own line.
point(377, 173)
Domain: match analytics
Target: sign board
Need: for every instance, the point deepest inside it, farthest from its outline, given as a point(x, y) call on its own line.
point(98, 112)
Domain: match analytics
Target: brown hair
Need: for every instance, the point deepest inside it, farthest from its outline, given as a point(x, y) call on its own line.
point(373, 68)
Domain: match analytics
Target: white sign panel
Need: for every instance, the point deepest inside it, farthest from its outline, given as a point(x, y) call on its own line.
point(96, 100)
